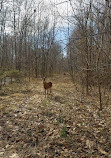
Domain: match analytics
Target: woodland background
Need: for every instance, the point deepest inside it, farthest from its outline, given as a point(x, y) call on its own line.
point(73, 50)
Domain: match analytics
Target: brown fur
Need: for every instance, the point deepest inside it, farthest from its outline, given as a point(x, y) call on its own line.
point(47, 85)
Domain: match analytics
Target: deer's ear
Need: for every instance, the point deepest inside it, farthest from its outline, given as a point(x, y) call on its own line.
point(43, 78)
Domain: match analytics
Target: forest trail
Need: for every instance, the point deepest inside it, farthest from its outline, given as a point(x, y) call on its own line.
point(61, 125)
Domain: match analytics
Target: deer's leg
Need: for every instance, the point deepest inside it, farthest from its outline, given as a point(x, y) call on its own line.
point(50, 90)
point(45, 93)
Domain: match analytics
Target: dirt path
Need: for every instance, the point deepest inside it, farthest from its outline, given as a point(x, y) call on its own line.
point(33, 126)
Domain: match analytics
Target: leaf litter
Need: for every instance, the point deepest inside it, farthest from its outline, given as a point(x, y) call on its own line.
point(60, 125)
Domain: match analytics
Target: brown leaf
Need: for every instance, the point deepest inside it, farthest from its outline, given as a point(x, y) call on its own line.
point(102, 151)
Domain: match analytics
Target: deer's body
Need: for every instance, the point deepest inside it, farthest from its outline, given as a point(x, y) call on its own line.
point(47, 86)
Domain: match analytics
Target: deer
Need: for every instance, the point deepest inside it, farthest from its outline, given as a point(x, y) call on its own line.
point(47, 86)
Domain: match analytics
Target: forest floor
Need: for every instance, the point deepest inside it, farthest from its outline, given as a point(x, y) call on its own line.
point(63, 125)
